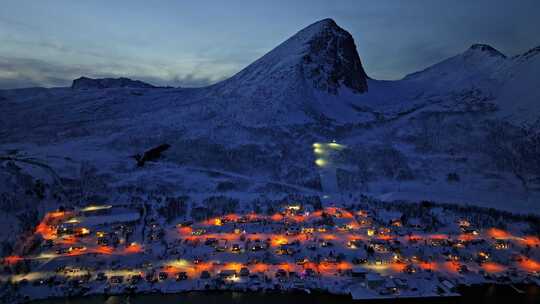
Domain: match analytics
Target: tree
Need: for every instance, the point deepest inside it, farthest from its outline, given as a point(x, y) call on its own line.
point(90, 183)
point(516, 149)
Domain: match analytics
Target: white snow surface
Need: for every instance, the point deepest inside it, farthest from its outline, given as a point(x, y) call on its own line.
point(259, 126)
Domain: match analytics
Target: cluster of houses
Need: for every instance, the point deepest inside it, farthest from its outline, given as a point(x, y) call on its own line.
point(367, 253)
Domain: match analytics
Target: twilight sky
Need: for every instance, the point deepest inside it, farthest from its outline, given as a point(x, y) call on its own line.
point(195, 43)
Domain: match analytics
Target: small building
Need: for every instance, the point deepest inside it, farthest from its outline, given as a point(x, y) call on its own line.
point(374, 280)
point(358, 272)
point(228, 274)
point(401, 283)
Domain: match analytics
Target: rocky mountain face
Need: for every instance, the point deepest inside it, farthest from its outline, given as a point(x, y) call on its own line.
point(302, 80)
point(332, 60)
point(108, 83)
point(320, 57)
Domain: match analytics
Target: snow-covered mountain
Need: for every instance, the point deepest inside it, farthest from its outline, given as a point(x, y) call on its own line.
point(461, 131)
point(321, 57)
point(510, 81)
point(299, 81)
point(475, 67)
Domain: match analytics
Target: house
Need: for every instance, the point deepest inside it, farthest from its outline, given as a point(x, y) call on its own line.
point(448, 285)
point(228, 274)
point(401, 283)
point(358, 272)
point(374, 280)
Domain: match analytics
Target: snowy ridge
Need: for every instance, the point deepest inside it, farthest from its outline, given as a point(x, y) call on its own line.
point(473, 68)
point(107, 83)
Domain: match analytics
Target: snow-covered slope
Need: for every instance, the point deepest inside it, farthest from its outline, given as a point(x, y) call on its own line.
point(298, 81)
point(476, 67)
point(511, 83)
point(450, 133)
point(519, 97)
point(322, 56)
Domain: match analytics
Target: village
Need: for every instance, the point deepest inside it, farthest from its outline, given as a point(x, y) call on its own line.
point(367, 253)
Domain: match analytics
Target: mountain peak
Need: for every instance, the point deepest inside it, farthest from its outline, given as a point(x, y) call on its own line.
point(322, 56)
point(486, 49)
point(331, 59)
point(326, 21)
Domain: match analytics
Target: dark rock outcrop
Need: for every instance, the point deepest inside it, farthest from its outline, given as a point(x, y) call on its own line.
point(487, 49)
point(333, 60)
point(107, 83)
point(151, 154)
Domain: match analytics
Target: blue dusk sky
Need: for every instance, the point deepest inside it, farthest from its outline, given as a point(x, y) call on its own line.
point(196, 43)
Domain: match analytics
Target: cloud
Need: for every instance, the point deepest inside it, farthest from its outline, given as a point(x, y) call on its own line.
point(28, 72)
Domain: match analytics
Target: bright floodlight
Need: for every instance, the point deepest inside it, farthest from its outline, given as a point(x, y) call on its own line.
point(336, 146)
point(95, 208)
point(321, 162)
point(318, 151)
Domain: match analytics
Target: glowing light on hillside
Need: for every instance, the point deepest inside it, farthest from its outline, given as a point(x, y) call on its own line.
point(279, 240)
point(384, 237)
point(72, 220)
point(68, 240)
point(343, 266)
point(321, 162)
point(133, 248)
point(466, 237)
point(12, 259)
point(318, 151)
point(287, 266)
point(56, 214)
point(530, 265)
point(106, 250)
point(397, 267)
point(185, 230)
point(95, 208)
point(498, 234)
point(45, 231)
point(430, 266)
point(438, 237)
point(276, 217)
point(294, 207)
point(451, 267)
point(415, 237)
point(233, 266)
point(179, 263)
point(335, 146)
point(531, 241)
point(491, 267)
point(259, 267)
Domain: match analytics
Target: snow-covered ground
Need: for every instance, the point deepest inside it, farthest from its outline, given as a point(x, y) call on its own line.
point(463, 131)
point(365, 250)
